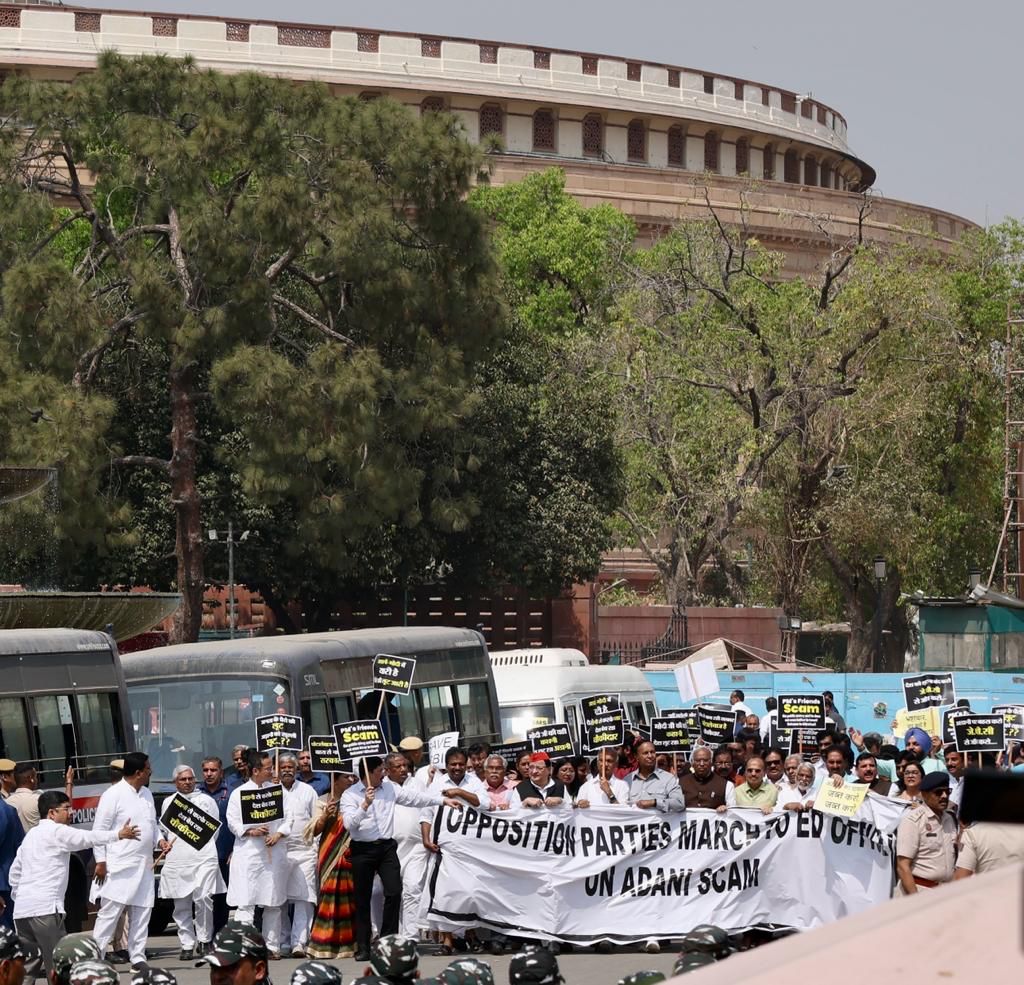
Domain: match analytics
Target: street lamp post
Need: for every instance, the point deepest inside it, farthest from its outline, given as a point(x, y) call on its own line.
point(230, 538)
point(973, 578)
point(880, 571)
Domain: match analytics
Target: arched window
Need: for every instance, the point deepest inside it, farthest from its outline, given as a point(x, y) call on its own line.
point(636, 140)
point(810, 171)
point(593, 135)
point(492, 120)
point(791, 167)
point(677, 147)
point(711, 151)
point(768, 156)
point(743, 156)
point(544, 130)
point(432, 104)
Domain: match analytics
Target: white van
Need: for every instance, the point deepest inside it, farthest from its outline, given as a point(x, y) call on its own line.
point(539, 686)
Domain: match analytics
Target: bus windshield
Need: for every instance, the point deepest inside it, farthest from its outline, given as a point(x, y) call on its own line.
point(180, 722)
point(516, 719)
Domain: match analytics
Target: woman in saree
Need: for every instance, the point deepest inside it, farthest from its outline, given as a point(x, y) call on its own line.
point(332, 934)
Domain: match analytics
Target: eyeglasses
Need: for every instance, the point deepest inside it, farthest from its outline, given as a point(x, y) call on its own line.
point(773, 762)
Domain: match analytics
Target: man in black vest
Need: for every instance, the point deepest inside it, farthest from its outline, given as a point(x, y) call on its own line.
point(702, 787)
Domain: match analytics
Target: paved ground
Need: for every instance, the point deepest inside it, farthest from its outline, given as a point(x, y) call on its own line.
point(583, 968)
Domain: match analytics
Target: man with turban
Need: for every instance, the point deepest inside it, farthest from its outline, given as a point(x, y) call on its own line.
point(920, 743)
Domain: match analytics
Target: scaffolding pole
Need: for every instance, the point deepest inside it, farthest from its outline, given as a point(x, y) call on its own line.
point(1010, 553)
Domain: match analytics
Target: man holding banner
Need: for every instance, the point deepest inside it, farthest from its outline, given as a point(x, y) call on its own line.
point(259, 862)
point(651, 788)
point(191, 877)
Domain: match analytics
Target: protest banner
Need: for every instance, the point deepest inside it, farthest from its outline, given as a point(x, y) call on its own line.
point(358, 739)
point(803, 742)
point(801, 711)
point(604, 731)
point(670, 735)
point(687, 716)
point(439, 745)
point(585, 876)
point(1013, 716)
point(555, 740)
point(695, 679)
point(779, 738)
point(275, 732)
point(324, 756)
point(949, 716)
point(980, 733)
point(716, 726)
point(923, 718)
point(191, 825)
point(929, 691)
point(393, 674)
point(263, 805)
point(510, 751)
point(598, 705)
point(842, 801)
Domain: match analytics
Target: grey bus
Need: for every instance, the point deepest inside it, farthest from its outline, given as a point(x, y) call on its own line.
point(200, 699)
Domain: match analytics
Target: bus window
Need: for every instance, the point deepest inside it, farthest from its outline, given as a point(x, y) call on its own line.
point(314, 717)
point(635, 712)
point(516, 719)
point(474, 710)
point(13, 731)
point(652, 711)
point(99, 732)
point(408, 718)
point(438, 710)
point(574, 729)
point(55, 735)
point(341, 706)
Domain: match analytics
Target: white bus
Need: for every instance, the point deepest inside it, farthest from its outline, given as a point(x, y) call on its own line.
point(542, 685)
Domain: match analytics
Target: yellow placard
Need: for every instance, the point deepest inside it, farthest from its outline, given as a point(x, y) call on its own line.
point(844, 801)
point(926, 718)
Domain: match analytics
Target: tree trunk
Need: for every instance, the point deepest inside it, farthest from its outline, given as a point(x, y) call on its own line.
point(188, 542)
point(871, 613)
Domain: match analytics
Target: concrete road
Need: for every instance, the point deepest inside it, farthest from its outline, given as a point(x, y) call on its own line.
point(578, 968)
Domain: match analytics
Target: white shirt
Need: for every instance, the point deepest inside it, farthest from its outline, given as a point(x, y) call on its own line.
point(740, 706)
point(300, 803)
point(790, 793)
point(767, 721)
point(379, 821)
point(591, 791)
point(39, 873)
point(187, 872)
point(515, 801)
point(470, 782)
point(129, 863)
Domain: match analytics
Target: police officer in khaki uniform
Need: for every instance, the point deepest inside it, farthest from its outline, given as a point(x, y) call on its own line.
point(926, 839)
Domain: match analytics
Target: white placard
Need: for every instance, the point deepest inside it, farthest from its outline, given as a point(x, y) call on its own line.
point(696, 679)
point(439, 745)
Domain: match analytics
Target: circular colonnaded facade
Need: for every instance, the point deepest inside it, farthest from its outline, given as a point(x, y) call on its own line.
point(660, 142)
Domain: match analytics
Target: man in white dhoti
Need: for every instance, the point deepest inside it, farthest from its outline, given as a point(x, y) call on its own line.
point(300, 804)
point(191, 878)
point(124, 869)
point(258, 873)
point(412, 856)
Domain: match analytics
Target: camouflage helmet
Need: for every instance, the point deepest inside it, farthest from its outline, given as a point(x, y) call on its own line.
point(455, 976)
point(691, 961)
point(234, 941)
point(153, 976)
point(93, 972)
point(71, 949)
point(707, 939)
point(479, 971)
point(316, 973)
point(13, 947)
point(642, 978)
point(394, 956)
point(534, 966)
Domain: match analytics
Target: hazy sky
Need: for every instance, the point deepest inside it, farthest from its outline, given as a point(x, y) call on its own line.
point(929, 87)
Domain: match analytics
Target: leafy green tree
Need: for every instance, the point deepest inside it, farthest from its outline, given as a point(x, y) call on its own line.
point(303, 266)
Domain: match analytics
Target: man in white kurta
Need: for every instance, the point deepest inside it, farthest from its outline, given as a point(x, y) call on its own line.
point(300, 804)
point(124, 869)
point(258, 872)
point(412, 856)
point(191, 878)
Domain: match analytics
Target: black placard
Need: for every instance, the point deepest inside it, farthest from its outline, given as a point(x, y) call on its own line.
point(929, 691)
point(511, 751)
point(324, 756)
point(1013, 715)
point(688, 716)
point(263, 805)
point(358, 739)
point(394, 674)
point(716, 727)
point(949, 716)
point(278, 732)
point(191, 825)
point(599, 705)
point(555, 740)
point(670, 735)
point(779, 738)
point(803, 743)
point(604, 731)
point(980, 733)
point(803, 711)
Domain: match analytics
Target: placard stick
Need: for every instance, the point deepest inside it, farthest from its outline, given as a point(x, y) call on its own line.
point(160, 857)
point(380, 706)
point(277, 764)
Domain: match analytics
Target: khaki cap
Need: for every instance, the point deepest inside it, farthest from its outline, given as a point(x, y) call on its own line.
point(411, 743)
point(7, 765)
point(117, 764)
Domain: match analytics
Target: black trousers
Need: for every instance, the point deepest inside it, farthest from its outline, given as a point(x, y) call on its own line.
point(369, 859)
